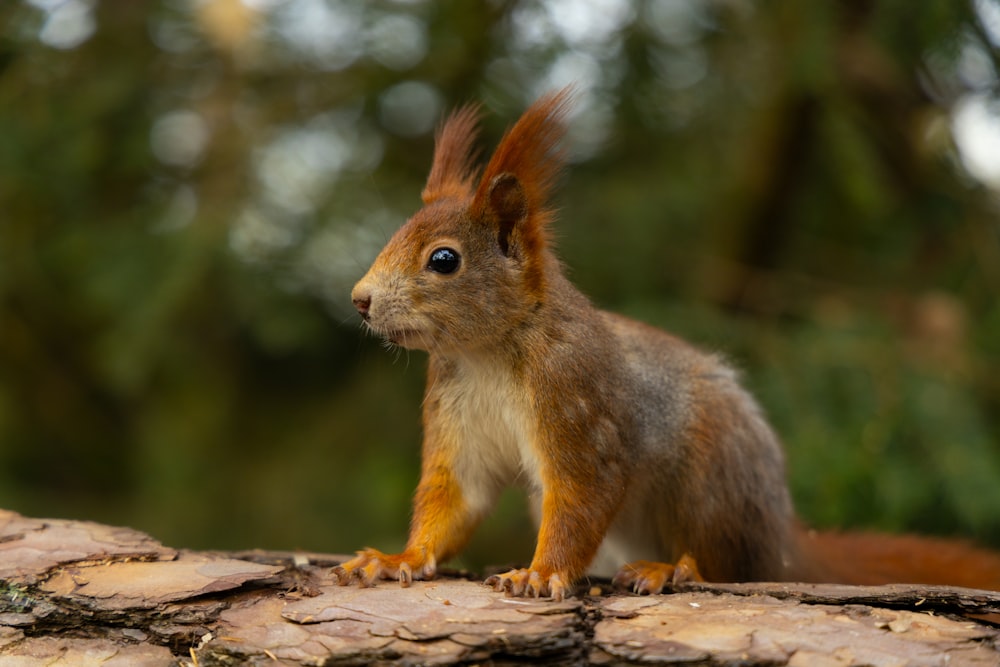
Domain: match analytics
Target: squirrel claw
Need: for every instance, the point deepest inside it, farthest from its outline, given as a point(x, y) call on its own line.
point(528, 583)
point(346, 573)
point(649, 577)
point(405, 574)
point(370, 565)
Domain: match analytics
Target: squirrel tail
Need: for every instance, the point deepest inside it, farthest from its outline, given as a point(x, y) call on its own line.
point(872, 558)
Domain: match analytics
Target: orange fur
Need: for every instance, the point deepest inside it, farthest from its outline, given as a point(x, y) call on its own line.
point(634, 446)
point(531, 151)
point(873, 559)
point(646, 576)
point(452, 171)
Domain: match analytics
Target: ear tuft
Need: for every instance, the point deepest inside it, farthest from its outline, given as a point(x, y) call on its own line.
point(452, 172)
point(509, 205)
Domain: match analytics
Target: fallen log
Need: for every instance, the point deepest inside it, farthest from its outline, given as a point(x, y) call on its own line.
point(81, 593)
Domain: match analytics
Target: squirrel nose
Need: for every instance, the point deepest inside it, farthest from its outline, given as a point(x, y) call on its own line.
point(363, 303)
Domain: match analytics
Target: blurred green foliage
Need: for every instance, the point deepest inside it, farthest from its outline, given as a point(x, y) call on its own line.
point(188, 190)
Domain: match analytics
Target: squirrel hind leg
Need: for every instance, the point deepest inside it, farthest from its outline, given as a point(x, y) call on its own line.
point(647, 577)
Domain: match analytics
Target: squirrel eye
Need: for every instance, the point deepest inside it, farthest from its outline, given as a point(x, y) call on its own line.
point(444, 260)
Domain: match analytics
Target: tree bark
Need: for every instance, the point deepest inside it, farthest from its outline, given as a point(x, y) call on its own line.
point(81, 593)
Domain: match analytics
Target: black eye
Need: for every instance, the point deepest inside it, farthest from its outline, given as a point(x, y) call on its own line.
point(444, 260)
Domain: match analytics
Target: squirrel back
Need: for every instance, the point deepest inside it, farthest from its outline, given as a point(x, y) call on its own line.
point(637, 449)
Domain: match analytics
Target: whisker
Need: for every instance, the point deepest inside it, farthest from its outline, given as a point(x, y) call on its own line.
point(346, 319)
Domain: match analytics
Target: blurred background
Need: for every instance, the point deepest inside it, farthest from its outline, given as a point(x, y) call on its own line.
point(189, 188)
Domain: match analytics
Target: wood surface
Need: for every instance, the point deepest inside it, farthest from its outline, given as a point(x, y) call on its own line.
point(78, 593)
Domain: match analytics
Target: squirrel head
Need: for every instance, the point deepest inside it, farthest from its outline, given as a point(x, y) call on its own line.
point(471, 265)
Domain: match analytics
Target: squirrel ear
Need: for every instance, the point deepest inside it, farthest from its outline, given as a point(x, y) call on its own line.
point(509, 204)
point(514, 188)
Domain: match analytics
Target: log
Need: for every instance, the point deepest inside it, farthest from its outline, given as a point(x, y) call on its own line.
point(82, 593)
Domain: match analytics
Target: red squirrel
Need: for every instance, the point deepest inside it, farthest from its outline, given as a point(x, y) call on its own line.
point(640, 452)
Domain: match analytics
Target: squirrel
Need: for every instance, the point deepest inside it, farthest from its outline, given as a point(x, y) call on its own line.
point(641, 453)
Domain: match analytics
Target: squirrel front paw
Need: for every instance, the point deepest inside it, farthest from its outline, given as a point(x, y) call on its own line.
point(527, 582)
point(649, 578)
point(371, 564)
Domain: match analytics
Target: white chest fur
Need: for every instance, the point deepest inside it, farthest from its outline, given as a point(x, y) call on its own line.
point(496, 434)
